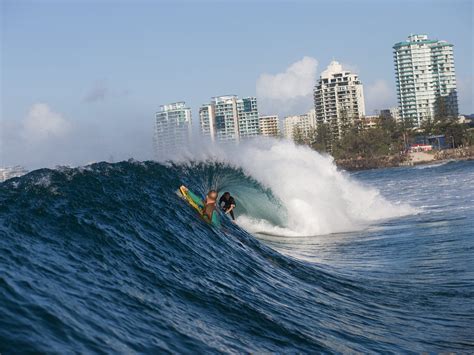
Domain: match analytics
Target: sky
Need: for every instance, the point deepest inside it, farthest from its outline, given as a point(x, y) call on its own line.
point(81, 80)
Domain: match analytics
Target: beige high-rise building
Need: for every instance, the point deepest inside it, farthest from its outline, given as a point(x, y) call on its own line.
point(338, 98)
point(269, 126)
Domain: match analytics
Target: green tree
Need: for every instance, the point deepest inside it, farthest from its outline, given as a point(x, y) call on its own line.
point(441, 110)
point(345, 124)
point(298, 136)
point(456, 133)
point(322, 142)
point(428, 127)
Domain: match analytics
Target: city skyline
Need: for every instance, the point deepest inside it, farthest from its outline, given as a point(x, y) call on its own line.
point(70, 87)
point(426, 84)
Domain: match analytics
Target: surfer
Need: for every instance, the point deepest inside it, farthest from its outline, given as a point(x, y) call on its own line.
point(209, 204)
point(205, 207)
point(227, 203)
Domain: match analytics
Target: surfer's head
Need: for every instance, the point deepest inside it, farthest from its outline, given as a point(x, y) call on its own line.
point(212, 195)
point(226, 195)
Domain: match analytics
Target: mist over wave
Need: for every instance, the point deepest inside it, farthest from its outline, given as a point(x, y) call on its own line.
point(306, 194)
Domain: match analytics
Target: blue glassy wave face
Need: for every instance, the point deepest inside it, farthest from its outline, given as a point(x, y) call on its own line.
point(109, 258)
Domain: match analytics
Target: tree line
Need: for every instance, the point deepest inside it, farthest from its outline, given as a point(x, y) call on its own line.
point(349, 139)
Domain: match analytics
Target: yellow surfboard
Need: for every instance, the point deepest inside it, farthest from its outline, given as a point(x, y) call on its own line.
point(198, 204)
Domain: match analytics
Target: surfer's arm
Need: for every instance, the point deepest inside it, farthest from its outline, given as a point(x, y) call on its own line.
point(230, 209)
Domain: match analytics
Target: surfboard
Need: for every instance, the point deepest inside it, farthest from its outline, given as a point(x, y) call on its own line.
point(198, 204)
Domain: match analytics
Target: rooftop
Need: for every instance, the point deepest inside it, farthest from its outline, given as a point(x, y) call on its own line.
point(173, 106)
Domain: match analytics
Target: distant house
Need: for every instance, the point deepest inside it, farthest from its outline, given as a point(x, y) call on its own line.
point(435, 141)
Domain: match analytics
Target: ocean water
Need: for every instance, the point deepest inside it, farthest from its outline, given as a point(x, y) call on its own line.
point(107, 258)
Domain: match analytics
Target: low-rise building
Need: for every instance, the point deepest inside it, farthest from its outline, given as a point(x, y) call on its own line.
point(414, 148)
point(370, 121)
point(391, 113)
point(463, 119)
point(436, 141)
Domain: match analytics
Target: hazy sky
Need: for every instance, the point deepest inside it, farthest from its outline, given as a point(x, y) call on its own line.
point(81, 80)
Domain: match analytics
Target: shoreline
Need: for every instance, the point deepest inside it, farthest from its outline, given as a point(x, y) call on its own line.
point(410, 159)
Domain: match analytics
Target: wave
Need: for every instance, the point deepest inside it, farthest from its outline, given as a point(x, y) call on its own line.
point(435, 165)
point(108, 258)
point(292, 190)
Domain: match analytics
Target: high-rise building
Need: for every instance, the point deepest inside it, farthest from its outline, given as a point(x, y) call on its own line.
point(269, 126)
point(226, 124)
point(228, 118)
point(338, 98)
point(426, 80)
point(289, 126)
point(304, 124)
point(207, 120)
point(172, 128)
point(249, 124)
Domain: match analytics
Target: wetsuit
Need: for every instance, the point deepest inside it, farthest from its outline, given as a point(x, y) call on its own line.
point(227, 203)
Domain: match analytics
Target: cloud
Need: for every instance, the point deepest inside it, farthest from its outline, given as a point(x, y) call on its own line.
point(296, 81)
point(45, 138)
point(350, 67)
point(379, 95)
point(42, 123)
point(101, 92)
point(98, 93)
point(283, 91)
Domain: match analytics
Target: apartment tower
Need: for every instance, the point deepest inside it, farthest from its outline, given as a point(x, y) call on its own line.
point(172, 128)
point(338, 98)
point(269, 126)
point(228, 118)
point(426, 79)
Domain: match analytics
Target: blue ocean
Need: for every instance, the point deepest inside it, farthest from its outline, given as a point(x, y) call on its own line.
point(108, 258)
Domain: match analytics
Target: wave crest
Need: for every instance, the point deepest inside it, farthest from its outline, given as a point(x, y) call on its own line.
point(292, 189)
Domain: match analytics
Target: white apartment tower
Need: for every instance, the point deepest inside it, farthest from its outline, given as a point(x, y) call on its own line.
point(172, 128)
point(425, 75)
point(269, 126)
point(228, 118)
point(249, 124)
point(338, 98)
point(207, 120)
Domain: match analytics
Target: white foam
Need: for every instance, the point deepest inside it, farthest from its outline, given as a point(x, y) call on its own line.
point(318, 198)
